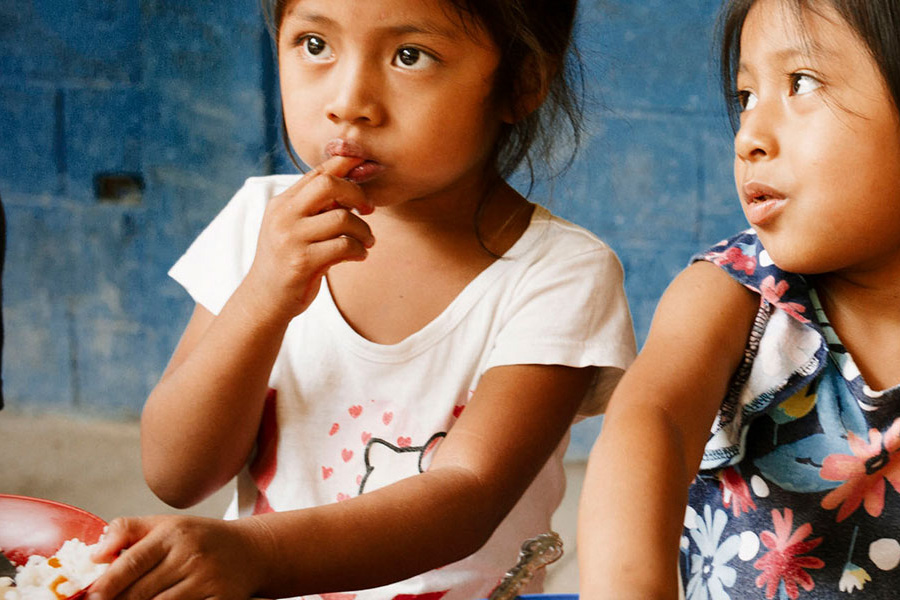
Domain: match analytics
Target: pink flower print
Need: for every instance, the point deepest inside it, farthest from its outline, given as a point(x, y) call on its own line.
point(735, 257)
point(735, 492)
point(784, 561)
point(863, 473)
point(772, 293)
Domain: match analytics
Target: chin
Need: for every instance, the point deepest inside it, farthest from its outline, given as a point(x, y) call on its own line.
point(801, 263)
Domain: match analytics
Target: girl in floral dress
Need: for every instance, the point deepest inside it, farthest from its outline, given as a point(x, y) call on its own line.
point(754, 446)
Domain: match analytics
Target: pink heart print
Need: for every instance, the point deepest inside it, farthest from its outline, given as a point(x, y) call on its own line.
point(346, 454)
point(355, 410)
point(327, 472)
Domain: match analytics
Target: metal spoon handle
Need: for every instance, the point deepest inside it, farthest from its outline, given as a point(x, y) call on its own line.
point(536, 553)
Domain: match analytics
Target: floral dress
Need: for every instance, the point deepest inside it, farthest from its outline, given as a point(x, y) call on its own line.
point(798, 494)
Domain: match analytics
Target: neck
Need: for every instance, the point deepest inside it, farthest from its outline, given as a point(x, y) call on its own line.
point(865, 313)
point(494, 213)
point(875, 296)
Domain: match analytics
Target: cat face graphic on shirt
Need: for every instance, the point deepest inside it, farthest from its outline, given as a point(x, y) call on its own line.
point(387, 463)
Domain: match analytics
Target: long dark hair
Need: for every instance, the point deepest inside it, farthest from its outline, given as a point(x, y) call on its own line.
point(876, 22)
point(536, 52)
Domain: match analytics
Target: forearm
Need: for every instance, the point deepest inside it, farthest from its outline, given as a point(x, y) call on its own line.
point(632, 507)
point(490, 457)
point(417, 524)
point(200, 422)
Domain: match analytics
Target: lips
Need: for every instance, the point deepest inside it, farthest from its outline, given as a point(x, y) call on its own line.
point(760, 192)
point(366, 171)
point(762, 203)
point(342, 147)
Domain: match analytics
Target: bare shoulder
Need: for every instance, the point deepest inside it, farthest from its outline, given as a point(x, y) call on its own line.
point(704, 302)
point(695, 344)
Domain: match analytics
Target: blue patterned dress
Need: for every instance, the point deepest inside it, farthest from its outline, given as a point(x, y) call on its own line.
point(798, 494)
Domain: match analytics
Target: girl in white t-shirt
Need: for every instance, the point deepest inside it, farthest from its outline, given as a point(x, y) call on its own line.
point(388, 351)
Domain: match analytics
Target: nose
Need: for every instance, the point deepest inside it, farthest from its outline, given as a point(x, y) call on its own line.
point(356, 94)
point(757, 138)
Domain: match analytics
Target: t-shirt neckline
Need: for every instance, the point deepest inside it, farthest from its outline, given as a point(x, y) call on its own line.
point(444, 322)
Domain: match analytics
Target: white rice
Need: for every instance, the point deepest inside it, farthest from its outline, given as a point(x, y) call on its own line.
point(67, 572)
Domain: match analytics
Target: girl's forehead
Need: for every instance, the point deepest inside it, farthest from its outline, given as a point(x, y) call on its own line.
point(436, 11)
point(785, 29)
point(439, 19)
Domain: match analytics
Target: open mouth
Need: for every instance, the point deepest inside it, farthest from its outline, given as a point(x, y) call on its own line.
point(756, 192)
point(763, 203)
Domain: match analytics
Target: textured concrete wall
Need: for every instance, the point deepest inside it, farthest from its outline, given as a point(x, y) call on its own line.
point(178, 97)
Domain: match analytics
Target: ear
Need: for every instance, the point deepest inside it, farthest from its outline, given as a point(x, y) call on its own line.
point(531, 90)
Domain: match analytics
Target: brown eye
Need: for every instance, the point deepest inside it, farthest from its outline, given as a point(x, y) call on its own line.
point(803, 83)
point(408, 56)
point(315, 45)
point(314, 48)
point(746, 99)
point(412, 58)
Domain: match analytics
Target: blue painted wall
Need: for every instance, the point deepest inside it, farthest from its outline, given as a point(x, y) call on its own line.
point(182, 96)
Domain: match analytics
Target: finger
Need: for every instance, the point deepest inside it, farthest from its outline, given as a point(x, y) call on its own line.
point(180, 591)
point(338, 166)
point(156, 582)
point(328, 192)
point(332, 189)
point(120, 534)
point(129, 567)
point(330, 252)
point(335, 223)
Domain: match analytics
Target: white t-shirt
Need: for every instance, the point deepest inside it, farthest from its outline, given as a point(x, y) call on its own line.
point(345, 415)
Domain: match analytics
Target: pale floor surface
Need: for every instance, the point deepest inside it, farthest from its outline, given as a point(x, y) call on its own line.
point(95, 465)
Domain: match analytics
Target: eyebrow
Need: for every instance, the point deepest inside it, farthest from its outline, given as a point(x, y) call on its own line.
point(425, 28)
point(813, 49)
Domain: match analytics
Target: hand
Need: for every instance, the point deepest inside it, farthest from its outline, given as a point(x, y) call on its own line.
point(306, 230)
point(180, 557)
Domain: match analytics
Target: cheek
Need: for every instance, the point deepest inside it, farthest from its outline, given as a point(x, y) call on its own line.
point(457, 130)
point(297, 121)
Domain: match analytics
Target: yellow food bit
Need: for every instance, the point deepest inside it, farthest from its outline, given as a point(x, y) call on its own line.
point(54, 562)
point(56, 583)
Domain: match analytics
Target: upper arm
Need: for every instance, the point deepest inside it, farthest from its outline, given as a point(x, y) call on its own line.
point(695, 344)
point(199, 322)
point(510, 427)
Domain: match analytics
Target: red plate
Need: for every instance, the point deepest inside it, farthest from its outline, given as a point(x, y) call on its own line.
point(36, 526)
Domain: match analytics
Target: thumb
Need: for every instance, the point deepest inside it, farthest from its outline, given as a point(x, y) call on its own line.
point(120, 534)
